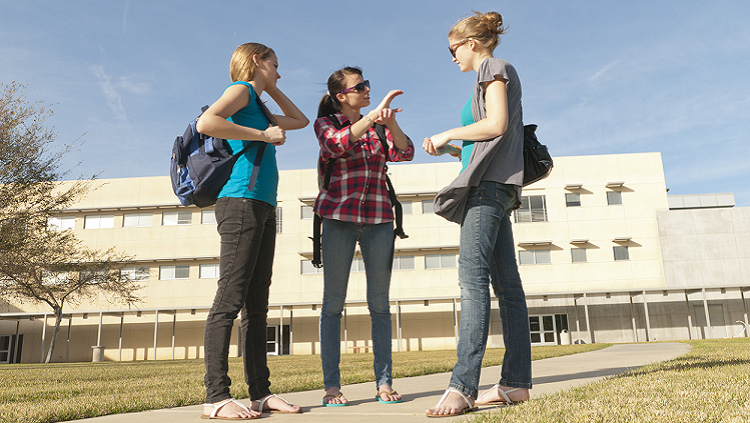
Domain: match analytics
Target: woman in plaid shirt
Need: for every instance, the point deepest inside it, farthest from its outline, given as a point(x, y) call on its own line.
point(355, 207)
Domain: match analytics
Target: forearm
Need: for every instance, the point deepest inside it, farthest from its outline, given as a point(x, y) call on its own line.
point(400, 140)
point(217, 126)
point(484, 130)
point(360, 127)
point(293, 117)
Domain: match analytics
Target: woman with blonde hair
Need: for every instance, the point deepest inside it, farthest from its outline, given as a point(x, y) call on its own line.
point(481, 199)
point(355, 208)
point(246, 222)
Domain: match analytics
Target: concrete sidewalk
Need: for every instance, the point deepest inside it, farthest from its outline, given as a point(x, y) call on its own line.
point(422, 392)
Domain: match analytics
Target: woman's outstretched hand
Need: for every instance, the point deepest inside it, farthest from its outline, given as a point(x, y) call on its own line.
point(387, 115)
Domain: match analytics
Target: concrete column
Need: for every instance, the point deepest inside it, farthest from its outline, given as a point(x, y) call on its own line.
point(588, 320)
point(689, 315)
point(44, 336)
point(710, 333)
point(156, 330)
point(119, 344)
point(632, 318)
point(648, 321)
point(398, 325)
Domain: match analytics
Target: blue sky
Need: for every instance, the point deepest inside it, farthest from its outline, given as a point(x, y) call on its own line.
point(599, 77)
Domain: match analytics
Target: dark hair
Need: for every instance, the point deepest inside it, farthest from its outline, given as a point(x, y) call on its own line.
point(329, 104)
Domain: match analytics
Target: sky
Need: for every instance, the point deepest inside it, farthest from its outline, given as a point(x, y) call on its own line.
point(598, 76)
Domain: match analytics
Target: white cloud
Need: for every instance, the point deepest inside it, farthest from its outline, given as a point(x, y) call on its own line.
point(114, 100)
point(127, 84)
point(604, 70)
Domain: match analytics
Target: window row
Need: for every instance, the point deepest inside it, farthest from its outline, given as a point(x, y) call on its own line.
point(431, 261)
point(170, 272)
point(306, 212)
point(573, 199)
point(534, 207)
point(577, 255)
point(139, 220)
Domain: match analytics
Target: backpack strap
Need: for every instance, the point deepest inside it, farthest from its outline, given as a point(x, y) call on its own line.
point(316, 238)
point(399, 211)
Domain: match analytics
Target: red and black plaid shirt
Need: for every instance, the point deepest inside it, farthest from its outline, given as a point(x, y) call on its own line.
point(357, 191)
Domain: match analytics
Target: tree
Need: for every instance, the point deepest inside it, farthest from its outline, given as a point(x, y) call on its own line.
point(39, 263)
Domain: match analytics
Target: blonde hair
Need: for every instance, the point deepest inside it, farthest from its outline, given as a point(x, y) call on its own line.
point(242, 65)
point(483, 27)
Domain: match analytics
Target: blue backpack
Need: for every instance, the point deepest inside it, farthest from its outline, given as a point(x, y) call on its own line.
point(201, 164)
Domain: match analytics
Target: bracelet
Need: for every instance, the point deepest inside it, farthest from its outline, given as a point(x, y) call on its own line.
point(369, 120)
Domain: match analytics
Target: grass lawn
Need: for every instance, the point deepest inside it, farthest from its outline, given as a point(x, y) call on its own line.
point(59, 392)
point(709, 384)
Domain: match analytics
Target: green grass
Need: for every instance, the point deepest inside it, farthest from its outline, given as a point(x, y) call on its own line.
point(709, 384)
point(59, 392)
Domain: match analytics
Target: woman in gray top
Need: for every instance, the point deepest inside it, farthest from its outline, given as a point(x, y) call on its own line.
point(481, 199)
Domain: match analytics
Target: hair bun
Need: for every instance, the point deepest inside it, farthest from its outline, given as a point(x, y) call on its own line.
point(494, 21)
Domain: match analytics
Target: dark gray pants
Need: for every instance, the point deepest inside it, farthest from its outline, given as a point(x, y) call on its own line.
point(248, 236)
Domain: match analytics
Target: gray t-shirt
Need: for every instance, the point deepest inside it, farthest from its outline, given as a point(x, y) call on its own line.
point(499, 159)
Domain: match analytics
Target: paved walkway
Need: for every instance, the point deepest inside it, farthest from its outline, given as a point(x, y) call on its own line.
point(422, 392)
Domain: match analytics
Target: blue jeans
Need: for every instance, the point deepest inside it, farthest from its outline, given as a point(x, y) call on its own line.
point(488, 257)
point(248, 235)
point(376, 243)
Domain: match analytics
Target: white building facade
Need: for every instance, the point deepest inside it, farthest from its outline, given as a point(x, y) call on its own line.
point(605, 256)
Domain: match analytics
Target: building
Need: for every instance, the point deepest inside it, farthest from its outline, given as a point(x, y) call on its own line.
point(605, 255)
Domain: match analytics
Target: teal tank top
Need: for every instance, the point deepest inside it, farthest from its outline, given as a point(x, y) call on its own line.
point(467, 118)
point(268, 176)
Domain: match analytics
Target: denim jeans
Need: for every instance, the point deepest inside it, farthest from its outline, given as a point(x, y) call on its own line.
point(376, 243)
point(248, 236)
point(488, 257)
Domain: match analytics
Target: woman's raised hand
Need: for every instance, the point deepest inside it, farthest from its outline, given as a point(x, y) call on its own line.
point(387, 115)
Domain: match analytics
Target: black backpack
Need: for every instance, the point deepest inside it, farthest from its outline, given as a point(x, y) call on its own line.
point(201, 164)
point(398, 209)
point(537, 163)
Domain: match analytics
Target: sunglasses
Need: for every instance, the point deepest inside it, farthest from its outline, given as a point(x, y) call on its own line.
point(453, 47)
point(358, 88)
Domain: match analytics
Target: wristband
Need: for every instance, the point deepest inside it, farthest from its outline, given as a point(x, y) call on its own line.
point(369, 120)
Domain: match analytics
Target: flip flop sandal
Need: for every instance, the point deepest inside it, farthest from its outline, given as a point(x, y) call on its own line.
point(506, 399)
point(380, 399)
point(468, 409)
point(261, 402)
point(323, 401)
point(219, 405)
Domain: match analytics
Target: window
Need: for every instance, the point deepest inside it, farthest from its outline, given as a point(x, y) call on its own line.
point(176, 218)
point(428, 206)
point(621, 253)
point(306, 212)
point(439, 261)
point(55, 278)
point(174, 272)
point(534, 257)
point(307, 268)
point(61, 223)
point(104, 221)
point(137, 220)
point(208, 217)
point(358, 265)
point(403, 263)
point(278, 220)
point(533, 209)
point(93, 275)
point(573, 199)
point(406, 207)
point(137, 274)
point(614, 198)
point(578, 255)
point(208, 271)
